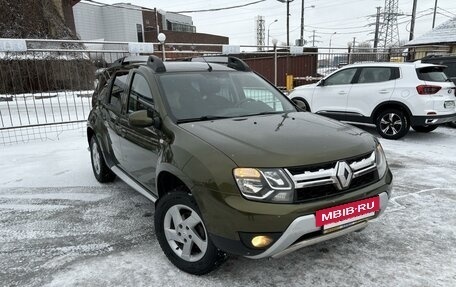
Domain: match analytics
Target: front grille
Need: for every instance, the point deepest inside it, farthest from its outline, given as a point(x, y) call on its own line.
point(324, 180)
point(316, 192)
point(364, 180)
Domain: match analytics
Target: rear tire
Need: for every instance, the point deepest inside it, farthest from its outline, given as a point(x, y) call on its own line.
point(392, 124)
point(424, 129)
point(183, 236)
point(100, 168)
point(452, 124)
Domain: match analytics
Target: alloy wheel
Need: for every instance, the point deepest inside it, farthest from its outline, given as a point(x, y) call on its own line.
point(391, 124)
point(185, 233)
point(96, 158)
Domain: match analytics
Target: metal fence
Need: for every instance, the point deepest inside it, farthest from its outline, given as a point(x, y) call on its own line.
point(47, 87)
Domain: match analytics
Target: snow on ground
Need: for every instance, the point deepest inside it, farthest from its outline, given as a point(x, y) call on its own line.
point(59, 227)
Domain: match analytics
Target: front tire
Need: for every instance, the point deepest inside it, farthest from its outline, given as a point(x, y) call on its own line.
point(424, 129)
point(452, 124)
point(183, 236)
point(392, 124)
point(100, 168)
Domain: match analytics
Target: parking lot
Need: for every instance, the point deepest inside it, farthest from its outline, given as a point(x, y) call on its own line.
point(59, 226)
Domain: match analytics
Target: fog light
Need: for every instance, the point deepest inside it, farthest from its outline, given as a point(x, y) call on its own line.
point(261, 241)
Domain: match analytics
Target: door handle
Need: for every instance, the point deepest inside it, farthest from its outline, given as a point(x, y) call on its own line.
point(383, 92)
point(342, 93)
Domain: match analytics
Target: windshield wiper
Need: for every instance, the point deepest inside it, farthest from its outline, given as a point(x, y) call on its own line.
point(200, 119)
point(264, 113)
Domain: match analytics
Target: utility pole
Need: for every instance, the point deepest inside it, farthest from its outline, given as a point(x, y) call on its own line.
point(288, 19)
point(354, 43)
point(435, 11)
point(389, 27)
point(377, 27)
point(412, 24)
point(288, 22)
point(301, 39)
point(312, 38)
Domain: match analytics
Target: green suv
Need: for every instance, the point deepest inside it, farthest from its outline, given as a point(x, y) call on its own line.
point(232, 165)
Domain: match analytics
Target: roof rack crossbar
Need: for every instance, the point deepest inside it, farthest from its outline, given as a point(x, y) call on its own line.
point(229, 61)
point(129, 60)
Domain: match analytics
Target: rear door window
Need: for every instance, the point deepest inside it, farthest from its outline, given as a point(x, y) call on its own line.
point(375, 75)
point(118, 90)
point(431, 74)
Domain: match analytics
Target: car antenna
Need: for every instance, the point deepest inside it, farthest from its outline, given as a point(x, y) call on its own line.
point(210, 67)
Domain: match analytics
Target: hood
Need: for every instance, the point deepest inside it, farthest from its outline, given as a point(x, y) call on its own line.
point(282, 140)
point(309, 86)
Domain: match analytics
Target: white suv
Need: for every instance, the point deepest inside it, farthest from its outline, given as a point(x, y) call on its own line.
point(393, 96)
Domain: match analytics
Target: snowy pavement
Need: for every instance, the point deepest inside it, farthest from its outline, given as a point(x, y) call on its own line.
point(59, 227)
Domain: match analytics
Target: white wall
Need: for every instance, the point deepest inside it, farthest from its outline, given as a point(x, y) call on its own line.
point(106, 22)
point(88, 21)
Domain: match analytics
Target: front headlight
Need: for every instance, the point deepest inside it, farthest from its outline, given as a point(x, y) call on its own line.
point(271, 185)
point(380, 160)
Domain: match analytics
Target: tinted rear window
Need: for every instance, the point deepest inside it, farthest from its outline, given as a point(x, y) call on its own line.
point(431, 74)
point(450, 71)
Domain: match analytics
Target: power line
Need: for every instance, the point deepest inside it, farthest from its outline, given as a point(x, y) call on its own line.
point(223, 8)
point(446, 11)
point(336, 28)
point(138, 8)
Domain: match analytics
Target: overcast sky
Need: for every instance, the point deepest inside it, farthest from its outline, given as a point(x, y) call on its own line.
point(348, 18)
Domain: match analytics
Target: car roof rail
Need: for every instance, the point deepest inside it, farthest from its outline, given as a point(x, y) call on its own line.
point(156, 64)
point(229, 61)
point(127, 60)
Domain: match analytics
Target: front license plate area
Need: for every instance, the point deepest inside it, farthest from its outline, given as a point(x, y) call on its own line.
point(346, 223)
point(348, 214)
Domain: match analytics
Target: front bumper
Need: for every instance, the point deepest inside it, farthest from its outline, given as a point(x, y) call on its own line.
point(306, 224)
point(432, 120)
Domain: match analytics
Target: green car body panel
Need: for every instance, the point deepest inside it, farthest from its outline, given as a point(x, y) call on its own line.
point(203, 155)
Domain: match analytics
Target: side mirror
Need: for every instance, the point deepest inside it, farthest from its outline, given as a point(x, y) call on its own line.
point(321, 83)
point(140, 119)
point(301, 105)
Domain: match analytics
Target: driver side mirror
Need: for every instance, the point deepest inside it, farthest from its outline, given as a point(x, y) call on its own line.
point(321, 83)
point(301, 105)
point(142, 119)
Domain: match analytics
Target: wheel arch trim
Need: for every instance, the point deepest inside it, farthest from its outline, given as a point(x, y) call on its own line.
point(382, 105)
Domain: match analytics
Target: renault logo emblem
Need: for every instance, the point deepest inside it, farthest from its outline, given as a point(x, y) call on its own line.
point(344, 175)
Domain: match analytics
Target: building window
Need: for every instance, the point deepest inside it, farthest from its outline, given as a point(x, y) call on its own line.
point(140, 32)
point(180, 27)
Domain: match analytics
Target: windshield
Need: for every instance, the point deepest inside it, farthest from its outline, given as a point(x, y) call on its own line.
point(210, 95)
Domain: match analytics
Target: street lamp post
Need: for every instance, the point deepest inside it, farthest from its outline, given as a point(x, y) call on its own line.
point(162, 38)
point(288, 19)
point(330, 39)
point(269, 27)
point(274, 42)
